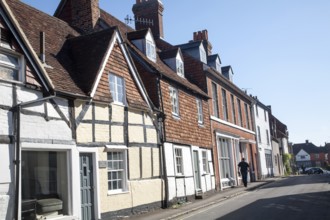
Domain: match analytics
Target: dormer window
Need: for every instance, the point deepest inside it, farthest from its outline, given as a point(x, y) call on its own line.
point(145, 42)
point(151, 50)
point(10, 66)
point(202, 54)
point(179, 67)
point(218, 66)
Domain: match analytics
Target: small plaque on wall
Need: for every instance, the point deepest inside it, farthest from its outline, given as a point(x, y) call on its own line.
point(103, 164)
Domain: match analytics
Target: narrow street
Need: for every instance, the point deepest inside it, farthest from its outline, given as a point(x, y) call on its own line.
point(300, 197)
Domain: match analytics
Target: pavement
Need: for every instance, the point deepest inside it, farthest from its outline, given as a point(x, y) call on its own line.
point(183, 209)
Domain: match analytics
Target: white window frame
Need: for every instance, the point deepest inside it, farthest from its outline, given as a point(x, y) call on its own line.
point(233, 111)
point(267, 134)
point(178, 153)
point(174, 95)
point(225, 158)
point(259, 134)
point(202, 55)
point(115, 89)
point(205, 162)
point(218, 66)
point(224, 104)
point(215, 100)
point(122, 169)
point(19, 67)
point(151, 50)
point(200, 111)
point(179, 67)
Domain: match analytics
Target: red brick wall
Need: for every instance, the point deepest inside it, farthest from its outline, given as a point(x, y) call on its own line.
point(251, 148)
point(194, 72)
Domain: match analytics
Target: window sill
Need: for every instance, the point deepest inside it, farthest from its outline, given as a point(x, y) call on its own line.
point(200, 124)
point(118, 104)
point(111, 193)
point(12, 81)
point(175, 116)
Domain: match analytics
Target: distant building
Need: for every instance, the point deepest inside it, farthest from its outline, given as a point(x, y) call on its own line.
point(308, 155)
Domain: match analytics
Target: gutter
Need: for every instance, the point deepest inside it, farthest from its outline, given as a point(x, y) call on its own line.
point(17, 110)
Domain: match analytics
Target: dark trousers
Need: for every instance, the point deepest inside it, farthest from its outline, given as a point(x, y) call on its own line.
point(244, 177)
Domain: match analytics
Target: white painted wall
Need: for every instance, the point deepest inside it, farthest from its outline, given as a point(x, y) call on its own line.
point(37, 133)
point(302, 156)
point(263, 123)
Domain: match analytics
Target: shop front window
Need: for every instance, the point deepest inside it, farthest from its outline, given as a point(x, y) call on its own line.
point(45, 182)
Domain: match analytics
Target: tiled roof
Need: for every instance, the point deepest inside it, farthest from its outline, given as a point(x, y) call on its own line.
point(87, 54)
point(137, 34)
point(166, 71)
point(169, 53)
point(56, 32)
point(213, 57)
point(225, 69)
point(192, 44)
point(159, 66)
point(308, 147)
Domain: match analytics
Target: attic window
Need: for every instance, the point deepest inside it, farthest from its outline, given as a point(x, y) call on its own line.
point(202, 54)
point(117, 89)
point(9, 66)
point(179, 67)
point(151, 50)
point(218, 66)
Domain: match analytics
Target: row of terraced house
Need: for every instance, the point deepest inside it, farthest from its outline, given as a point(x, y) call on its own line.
point(100, 120)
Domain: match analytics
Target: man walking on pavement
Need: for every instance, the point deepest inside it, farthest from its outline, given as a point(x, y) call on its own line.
point(243, 168)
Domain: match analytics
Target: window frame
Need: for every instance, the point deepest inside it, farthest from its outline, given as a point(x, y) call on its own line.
point(232, 99)
point(174, 96)
point(178, 154)
point(202, 53)
point(224, 104)
point(240, 117)
point(179, 67)
point(20, 64)
point(259, 134)
point(200, 115)
point(150, 50)
point(114, 93)
point(267, 134)
point(247, 118)
point(124, 187)
point(205, 162)
point(215, 100)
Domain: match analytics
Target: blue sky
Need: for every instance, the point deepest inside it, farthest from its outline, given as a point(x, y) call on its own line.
point(279, 51)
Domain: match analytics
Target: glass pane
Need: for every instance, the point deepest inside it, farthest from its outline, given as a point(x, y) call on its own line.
point(7, 73)
point(110, 156)
point(114, 175)
point(120, 175)
point(115, 156)
point(11, 60)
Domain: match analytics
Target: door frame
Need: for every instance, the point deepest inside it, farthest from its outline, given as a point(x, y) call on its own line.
point(96, 193)
point(196, 165)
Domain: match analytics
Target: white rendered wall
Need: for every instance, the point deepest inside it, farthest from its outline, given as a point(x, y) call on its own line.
point(264, 145)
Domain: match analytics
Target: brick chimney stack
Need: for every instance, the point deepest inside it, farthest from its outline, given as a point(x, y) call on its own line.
point(80, 14)
point(203, 36)
point(151, 10)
